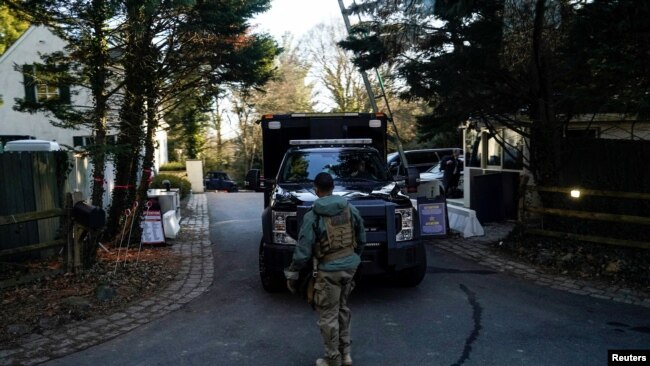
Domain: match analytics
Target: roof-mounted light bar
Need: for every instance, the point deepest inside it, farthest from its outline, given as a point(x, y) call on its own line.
point(330, 142)
point(346, 114)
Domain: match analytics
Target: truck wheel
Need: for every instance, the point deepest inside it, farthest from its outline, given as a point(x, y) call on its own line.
point(271, 281)
point(413, 276)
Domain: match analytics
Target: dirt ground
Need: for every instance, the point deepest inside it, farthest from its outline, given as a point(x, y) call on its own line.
point(50, 298)
point(622, 266)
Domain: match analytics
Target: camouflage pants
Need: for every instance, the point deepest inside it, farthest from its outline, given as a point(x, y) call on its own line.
point(331, 291)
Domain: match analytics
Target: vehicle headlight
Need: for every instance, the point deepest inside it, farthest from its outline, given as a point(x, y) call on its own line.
point(407, 224)
point(280, 235)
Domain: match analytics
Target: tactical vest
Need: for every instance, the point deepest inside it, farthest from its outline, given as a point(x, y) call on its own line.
point(339, 240)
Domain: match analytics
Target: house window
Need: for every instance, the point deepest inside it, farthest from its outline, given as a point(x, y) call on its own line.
point(37, 91)
point(513, 150)
point(82, 141)
point(46, 92)
point(502, 149)
point(473, 148)
point(494, 148)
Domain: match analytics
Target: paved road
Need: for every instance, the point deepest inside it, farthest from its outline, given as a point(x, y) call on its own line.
point(462, 314)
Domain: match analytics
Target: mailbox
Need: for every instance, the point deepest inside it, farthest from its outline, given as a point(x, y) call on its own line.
point(89, 216)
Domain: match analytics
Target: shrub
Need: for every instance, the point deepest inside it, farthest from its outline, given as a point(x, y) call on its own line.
point(172, 166)
point(176, 182)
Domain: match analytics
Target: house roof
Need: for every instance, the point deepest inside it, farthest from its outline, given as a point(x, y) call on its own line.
point(17, 43)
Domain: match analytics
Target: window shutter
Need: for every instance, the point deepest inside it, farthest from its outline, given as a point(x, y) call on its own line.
point(64, 94)
point(28, 82)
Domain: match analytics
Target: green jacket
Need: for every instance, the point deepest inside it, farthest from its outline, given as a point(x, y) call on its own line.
point(313, 228)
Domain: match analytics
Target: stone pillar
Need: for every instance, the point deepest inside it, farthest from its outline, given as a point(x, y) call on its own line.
point(195, 174)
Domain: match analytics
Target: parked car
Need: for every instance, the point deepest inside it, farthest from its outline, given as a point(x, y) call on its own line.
point(219, 181)
point(422, 159)
point(434, 173)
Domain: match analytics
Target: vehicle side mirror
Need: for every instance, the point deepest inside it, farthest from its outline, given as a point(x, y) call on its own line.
point(412, 179)
point(393, 168)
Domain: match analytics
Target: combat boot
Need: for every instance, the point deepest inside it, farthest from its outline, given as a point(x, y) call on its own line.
point(322, 362)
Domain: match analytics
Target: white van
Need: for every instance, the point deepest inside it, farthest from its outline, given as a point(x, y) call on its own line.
point(31, 145)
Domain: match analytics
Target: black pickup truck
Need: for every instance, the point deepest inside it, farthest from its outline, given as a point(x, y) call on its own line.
point(299, 146)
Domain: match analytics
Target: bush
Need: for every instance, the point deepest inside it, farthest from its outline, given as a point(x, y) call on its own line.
point(172, 166)
point(176, 182)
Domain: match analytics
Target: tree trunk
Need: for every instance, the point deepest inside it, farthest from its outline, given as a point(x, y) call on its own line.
point(131, 117)
point(98, 80)
point(546, 131)
point(149, 146)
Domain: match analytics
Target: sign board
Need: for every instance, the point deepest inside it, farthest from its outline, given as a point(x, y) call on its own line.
point(433, 216)
point(152, 228)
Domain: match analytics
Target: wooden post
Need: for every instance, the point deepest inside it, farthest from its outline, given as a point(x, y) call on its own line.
point(523, 190)
point(68, 229)
point(78, 248)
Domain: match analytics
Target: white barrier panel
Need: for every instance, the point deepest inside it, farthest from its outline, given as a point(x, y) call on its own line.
point(170, 225)
point(464, 221)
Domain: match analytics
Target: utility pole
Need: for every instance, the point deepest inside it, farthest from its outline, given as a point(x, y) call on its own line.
point(371, 94)
point(364, 76)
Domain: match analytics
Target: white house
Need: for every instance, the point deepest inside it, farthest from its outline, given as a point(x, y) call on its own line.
point(26, 51)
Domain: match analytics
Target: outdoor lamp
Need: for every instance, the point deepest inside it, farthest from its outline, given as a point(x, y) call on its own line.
point(575, 193)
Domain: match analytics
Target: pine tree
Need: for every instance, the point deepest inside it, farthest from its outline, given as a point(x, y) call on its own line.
point(85, 63)
point(12, 26)
point(162, 50)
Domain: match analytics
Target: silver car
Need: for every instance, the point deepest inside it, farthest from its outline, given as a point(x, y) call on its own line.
point(435, 174)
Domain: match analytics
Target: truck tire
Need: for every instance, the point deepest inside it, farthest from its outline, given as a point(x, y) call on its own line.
point(412, 277)
point(271, 281)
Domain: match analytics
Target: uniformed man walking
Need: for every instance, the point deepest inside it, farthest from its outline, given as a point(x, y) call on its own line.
point(333, 233)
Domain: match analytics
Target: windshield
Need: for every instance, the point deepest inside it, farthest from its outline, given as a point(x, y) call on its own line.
point(303, 166)
point(434, 169)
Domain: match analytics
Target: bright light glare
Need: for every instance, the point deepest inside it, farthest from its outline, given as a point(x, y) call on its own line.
point(575, 193)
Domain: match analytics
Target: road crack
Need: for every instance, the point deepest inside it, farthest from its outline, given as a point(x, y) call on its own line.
point(477, 311)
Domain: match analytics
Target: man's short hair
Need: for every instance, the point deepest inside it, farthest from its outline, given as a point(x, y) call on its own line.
point(324, 182)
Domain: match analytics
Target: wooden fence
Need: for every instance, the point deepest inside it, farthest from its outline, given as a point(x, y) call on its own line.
point(30, 182)
point(582, 223)
point(28, 217)
point(79, 241)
